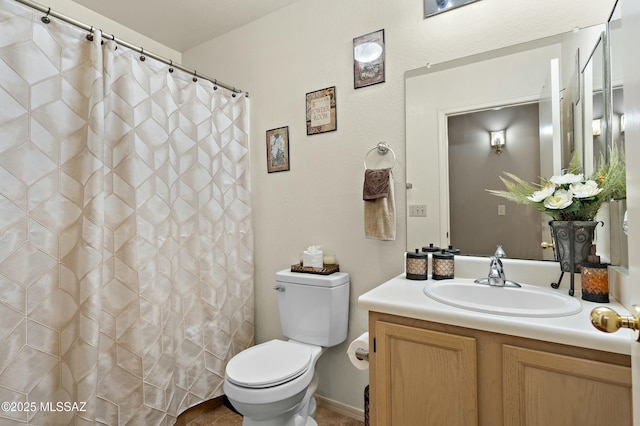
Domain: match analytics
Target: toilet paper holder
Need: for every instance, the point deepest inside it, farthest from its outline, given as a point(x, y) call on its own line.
point(362, 354)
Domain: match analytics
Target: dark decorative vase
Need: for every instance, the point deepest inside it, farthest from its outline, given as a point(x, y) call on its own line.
point(572, 239)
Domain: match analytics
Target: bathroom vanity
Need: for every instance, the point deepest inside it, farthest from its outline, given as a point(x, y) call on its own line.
point(433, 363)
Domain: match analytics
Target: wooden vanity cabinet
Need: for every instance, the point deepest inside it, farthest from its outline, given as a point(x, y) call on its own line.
point(427, 373)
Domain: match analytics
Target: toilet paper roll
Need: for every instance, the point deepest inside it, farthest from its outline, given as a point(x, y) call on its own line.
point(362, 342)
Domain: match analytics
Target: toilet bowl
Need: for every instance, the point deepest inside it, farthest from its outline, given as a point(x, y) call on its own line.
point(272, 384)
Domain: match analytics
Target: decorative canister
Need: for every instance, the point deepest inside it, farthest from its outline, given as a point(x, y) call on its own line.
point(443, 266)
point(417, 265)
point(595, 282)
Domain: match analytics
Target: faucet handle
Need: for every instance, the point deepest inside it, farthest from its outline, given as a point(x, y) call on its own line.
point(500, 252)
point(495, 264)
point(496, 272)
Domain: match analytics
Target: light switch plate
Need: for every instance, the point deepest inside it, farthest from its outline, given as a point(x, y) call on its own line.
point(418, 210)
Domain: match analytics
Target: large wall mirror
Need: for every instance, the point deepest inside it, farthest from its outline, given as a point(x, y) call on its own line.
point(534, 92)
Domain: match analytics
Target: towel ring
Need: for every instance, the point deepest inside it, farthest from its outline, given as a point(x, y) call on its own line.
point(383, 148)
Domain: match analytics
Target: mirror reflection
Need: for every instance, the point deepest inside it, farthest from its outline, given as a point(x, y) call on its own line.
point(619, 247)
point(617, 103)
point(595, 121)
point(482, 221)
point(452, 109)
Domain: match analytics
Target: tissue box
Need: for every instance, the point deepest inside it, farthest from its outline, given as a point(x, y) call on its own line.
point(312, 259)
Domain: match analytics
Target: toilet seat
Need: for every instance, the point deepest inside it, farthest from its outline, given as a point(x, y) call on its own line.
point(269, 364)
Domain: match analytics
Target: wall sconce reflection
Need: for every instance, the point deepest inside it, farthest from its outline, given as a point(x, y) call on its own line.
point(596, 126)
point(498, 140)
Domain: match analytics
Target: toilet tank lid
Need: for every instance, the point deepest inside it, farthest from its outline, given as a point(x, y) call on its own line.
point(332, 280)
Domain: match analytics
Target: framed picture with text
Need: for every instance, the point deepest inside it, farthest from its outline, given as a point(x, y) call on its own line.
point(278, 149)
point(321, 111)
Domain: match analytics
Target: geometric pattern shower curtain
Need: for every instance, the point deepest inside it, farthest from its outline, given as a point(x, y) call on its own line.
point(126, 244)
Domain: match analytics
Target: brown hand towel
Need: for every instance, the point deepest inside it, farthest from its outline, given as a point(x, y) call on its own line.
point(376, 184)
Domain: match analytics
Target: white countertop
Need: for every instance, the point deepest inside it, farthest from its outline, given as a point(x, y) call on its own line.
point(403, 297)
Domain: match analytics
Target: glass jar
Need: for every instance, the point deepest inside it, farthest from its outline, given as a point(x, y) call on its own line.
point(595, 282)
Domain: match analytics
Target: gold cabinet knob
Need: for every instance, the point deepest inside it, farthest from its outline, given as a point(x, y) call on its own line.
point(546, 245)
point(609, 321)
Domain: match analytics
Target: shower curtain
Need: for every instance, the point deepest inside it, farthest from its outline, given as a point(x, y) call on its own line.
point(126, 246)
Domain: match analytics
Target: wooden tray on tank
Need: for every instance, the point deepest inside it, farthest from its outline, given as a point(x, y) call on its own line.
point(325, 270)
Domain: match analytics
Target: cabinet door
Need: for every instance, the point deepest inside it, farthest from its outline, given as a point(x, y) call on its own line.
point(424, 377)
point(547, 389)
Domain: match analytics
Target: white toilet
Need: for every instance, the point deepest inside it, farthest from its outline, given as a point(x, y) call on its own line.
point(272, 384)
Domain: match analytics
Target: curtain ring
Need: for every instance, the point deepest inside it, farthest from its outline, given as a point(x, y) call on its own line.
point(46, 18)
point(90, 35)
point(170, 65)
point(142, 57)
point(195, 76)
point(215, 84)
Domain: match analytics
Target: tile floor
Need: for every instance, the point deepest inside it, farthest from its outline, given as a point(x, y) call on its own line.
point(218, 414)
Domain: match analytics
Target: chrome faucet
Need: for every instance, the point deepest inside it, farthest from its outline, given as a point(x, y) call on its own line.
point(497, 277)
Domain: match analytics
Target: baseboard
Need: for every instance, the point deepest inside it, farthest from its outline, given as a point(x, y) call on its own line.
point(340, 408)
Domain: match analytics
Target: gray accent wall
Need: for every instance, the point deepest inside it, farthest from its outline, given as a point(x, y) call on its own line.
point(476, 228)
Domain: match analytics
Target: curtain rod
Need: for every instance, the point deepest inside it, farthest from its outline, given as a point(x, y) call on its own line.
point(83, 26)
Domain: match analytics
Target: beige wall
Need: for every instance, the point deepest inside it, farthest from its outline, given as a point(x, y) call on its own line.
point(86, 16)
point(308, 46)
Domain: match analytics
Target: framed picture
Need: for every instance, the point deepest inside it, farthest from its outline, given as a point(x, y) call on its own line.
point(432, 7)
point(368, 59)
point(321, 111)
point(278, 149)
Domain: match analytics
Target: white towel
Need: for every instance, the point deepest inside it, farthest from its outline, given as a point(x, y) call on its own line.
point(380, 216)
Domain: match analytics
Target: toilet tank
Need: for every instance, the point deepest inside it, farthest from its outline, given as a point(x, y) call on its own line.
point(314, 308)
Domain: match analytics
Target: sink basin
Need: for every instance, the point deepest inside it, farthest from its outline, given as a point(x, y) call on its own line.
point(526, 301)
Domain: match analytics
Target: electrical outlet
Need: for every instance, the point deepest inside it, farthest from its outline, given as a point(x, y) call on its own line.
point(502, 210)
point(418, 210)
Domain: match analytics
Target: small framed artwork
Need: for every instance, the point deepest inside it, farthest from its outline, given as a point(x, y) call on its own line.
point(368, 59)
point(278, 149)
point(321, 111)
point(433, 7)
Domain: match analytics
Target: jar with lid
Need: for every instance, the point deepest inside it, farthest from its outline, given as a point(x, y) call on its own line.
point(443, 265)
point(595, 282)
point(417, 265)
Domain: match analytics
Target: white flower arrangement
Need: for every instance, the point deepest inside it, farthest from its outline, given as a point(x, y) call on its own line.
point(570, 196)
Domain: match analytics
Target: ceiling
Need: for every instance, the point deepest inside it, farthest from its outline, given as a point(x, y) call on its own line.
point(184, 24)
